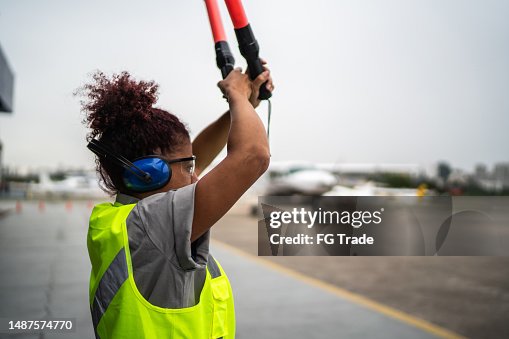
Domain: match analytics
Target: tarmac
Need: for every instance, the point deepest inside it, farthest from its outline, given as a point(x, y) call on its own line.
point(272, 304)
point(45, 272)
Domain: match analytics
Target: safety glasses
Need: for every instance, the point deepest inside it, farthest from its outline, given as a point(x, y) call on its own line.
point(187, 165)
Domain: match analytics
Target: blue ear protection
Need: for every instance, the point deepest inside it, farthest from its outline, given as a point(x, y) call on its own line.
point(142, 175)
point(157, 168)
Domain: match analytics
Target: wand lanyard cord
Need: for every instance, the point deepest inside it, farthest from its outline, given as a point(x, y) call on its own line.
point(268, 120)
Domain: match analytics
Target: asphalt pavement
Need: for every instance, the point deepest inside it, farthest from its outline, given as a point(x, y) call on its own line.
point(45, 270)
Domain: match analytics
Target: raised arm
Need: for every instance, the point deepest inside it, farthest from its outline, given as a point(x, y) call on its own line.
point(247, 158)
point(209, 142)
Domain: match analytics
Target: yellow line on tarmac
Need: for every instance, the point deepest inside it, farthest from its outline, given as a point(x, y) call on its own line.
point(356, 298)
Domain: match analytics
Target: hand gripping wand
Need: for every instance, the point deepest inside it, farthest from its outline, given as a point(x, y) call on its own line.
point(248, 45)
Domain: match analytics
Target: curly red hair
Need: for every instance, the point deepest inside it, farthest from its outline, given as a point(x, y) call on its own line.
point(120, 113)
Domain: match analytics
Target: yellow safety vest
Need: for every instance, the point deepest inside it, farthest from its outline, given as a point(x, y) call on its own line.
point(120, 311)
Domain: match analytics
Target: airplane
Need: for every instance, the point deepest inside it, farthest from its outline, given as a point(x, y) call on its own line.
point(298, 179)
point(73, 186)
point(369, 188)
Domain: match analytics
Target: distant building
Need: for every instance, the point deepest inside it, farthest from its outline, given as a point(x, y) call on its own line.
point(1, 168)
point(501, 175)
point(481, 172)
point(6, 84)
point(6, 95)
point(494, 180)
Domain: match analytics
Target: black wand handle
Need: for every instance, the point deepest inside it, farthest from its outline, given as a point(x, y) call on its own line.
point(250, 50)
point(224, 58)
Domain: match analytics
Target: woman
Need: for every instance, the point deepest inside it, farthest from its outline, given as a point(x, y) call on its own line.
point(152, 274)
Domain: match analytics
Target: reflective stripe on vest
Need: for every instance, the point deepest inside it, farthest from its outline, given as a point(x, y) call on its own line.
point(213, 268)
point(108, 287)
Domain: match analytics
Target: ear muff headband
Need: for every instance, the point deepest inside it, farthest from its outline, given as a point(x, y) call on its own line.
point(103, 152)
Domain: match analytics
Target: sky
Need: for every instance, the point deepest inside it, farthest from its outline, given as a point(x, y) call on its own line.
point(392, 82)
